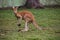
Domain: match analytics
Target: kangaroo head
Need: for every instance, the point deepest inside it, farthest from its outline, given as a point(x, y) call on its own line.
point(15, 9)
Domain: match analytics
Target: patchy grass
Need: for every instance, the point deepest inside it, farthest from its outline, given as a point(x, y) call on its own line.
point(48, 17)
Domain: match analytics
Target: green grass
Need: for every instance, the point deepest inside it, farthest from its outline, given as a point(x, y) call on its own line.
point(48, 18)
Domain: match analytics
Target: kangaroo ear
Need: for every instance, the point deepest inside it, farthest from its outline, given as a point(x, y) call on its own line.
point(13, 7)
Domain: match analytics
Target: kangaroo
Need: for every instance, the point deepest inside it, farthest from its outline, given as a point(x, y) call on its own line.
point(27, 16)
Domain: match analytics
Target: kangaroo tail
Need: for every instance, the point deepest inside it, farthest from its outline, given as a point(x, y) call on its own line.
point(36, 25)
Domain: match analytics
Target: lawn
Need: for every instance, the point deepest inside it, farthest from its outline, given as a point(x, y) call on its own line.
point(47, 18)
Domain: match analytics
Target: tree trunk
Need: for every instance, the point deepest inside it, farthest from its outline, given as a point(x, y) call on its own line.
point(33, 4)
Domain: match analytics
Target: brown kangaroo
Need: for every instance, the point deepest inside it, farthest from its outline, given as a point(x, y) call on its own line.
point(27, 16)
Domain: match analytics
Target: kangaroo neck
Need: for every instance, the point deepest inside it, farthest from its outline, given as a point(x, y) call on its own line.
point(15, 11)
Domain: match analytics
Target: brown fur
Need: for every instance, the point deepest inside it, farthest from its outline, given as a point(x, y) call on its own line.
point(27, 16)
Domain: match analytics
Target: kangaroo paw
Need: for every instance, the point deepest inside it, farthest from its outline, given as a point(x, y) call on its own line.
point(25, 29)
point(19, 24)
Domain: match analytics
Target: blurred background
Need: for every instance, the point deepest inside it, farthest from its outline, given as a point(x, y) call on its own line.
point(29, 3)
point(46, 13)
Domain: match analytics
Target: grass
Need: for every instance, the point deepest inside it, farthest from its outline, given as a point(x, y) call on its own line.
point(48, 18)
